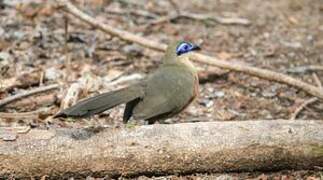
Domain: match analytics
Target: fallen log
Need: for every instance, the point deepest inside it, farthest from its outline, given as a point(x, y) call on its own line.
point(165, 149)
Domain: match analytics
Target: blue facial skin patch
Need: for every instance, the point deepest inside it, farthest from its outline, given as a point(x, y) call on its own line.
point(185, 47)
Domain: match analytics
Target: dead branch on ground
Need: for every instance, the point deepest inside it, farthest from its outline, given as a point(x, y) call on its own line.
point(309, 101)
point(34, 102)
point(38, 90)
point(143, 13)
point(22, 81)
point(302, 106)
point(202, 17)
point(165, 149)
point(24, 115)
point(304, 69)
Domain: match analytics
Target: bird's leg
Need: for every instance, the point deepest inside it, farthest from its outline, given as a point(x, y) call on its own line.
point(133, 123)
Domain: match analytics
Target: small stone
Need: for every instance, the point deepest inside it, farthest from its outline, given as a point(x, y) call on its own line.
point(219, 94)
point(321, 28)
point(295, 45)
point(9, 136)
point(268, 94)
point(224, 177)
point(52, 74)
point(2, 32)
point(253, 52)
point(266, 35)
point(4, 56)
point(18, 35)
point(310, 38)
point(133, 49)
point(207, 103)
point(269, 116)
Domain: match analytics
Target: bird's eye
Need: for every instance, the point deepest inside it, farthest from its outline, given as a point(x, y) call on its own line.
point(185, 47)
point(182, 48)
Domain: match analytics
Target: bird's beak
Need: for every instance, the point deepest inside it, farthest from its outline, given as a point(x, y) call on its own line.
point(196, 48)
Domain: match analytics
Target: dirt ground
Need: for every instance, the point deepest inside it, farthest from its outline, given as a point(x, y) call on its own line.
point(284, 36)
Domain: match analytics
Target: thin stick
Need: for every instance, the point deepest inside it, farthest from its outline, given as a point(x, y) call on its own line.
point(67, 56)
point(174, 5)
point(31, 114)
point(302, 106)
point(201, 17)
point(16, 129)
point(134, 12)
point(163, 19)
point(16, 97)
point(303, 69)
point(309, 101)
point(127, 36)
point(218, 19)
point(317, 80)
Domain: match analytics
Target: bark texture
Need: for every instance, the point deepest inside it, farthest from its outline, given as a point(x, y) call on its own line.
point(165, 149)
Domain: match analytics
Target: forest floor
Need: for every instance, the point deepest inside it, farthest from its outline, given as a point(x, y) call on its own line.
point(283, 36)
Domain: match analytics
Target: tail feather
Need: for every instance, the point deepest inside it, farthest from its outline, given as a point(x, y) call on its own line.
point(102, 102)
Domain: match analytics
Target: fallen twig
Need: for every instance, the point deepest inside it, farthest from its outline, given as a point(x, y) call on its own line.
point(11, 133)
point(211, 17)
point(302, 106)
point(19, 115)
point(21, 81)
point(317, 80)
point(34, 102)
point(309, 101)
point(127, 36)
point(16, 129)
point(72, 94)
point(163, 19)
point(304, 69)
point(16, 97)
point(175, 6)
point(218, 19)
point(142, 13)
point(201, 17)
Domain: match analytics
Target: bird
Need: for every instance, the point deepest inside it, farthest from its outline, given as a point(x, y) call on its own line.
point(163, 94)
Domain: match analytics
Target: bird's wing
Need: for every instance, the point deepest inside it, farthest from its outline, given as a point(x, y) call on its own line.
point(167, 92)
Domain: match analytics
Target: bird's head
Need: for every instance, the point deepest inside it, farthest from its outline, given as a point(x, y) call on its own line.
point(179, 51)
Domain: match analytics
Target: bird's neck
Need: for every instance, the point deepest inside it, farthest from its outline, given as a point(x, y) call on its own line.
point(182, 62)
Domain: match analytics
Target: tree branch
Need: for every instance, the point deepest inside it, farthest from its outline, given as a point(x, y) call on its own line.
point(165, 149)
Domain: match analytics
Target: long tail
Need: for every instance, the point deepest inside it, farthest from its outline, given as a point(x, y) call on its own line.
point(102, 102)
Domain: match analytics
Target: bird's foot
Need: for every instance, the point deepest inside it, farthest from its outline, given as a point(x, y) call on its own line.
point(133, 123)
